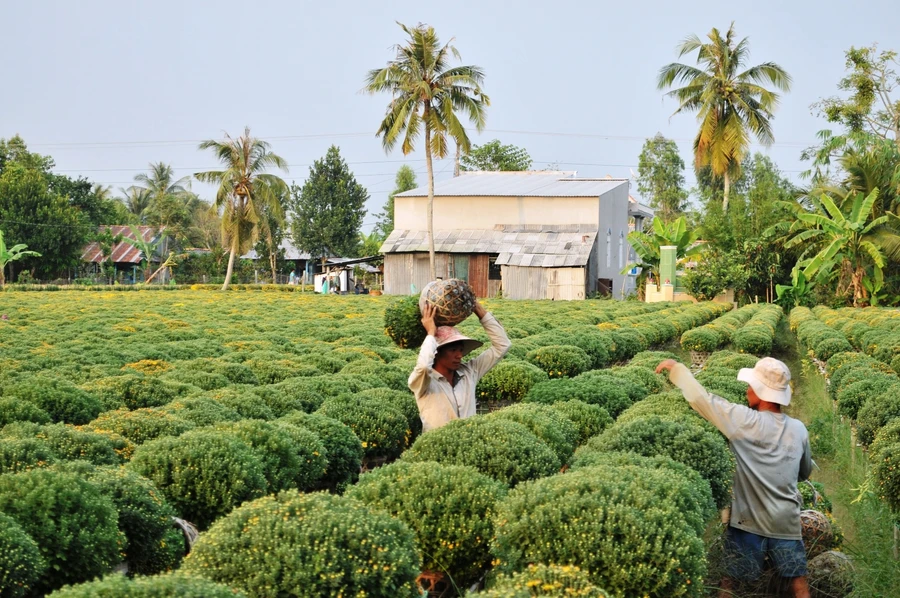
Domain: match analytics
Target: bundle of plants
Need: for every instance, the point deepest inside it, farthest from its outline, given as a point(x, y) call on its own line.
point(504, 450)
point(636, 542)
point(403, 323)
point(321, 544)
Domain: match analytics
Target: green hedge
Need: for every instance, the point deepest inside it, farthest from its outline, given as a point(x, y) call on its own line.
point(605, 392)
point(403, 323)
point(448, 507)
point(509, 380)
point(21, 563)
point(74, 525)
point(635, 541)
point(696, 447)
point(203, 473)
point(310, 545)
point(757, 334)
point(504, 450)
point(342, 447)
point(160, 586)
point(560, 361)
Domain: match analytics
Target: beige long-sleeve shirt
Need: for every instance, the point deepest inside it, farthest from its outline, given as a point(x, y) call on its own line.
point(439, 400)
point(771, 453)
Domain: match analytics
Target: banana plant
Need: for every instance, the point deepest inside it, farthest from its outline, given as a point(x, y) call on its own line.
point(647, 245)
point(12, 254)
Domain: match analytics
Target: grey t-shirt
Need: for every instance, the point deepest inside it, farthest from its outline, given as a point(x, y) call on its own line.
point(772, 455)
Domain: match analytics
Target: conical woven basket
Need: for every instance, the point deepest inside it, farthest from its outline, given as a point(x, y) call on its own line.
point(453, 300)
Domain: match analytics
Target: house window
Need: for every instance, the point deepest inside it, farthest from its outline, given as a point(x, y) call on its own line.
point(621, 249)
point(608, 247)
point(493, 269)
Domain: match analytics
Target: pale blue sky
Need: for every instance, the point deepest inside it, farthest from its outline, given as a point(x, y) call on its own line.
point(107, 86)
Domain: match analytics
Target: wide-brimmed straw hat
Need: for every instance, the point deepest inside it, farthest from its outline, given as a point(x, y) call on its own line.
point(446, 335)
point(770, 379)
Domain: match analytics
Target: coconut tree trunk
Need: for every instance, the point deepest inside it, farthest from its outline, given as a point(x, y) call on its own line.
point(430, 211)
point(272, 263)
point(725, 195)
point(2, 276)
point(234, 249)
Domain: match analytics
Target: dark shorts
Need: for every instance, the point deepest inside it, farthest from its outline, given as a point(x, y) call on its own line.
point(745, 555)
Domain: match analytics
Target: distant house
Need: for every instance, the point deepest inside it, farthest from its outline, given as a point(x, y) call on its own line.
point(126, 257)
point(527, 235)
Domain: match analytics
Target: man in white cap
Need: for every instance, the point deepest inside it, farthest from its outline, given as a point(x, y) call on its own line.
point(445, 386)
point(772, 455)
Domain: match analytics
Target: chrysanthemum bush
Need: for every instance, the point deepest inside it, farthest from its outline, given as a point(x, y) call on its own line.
point(158, 586)
point(21, 563)
point(74, 526)
point(684, 442)
point(382, 429)
point(61, 400)
point(134, 391)
point(343, 448)
point(820, 339)
point(309, 545)
point(509, 380)
point(401, 400)
point(635, 542)
point(605, 392)
point(548, 581)
point(203, 473)
point(560, 361)
point(709, 337)
point(504, 450)
point(200, 411)
point(449, 508)
point(757, 334)
point(13, 410)
point(141, 425)
point(669, 406)
point(589, 420)
point(553, 428)
point(403, 323)
point(70, 443)
point(24, 454)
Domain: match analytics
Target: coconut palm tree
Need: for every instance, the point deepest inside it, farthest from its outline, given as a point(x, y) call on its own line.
point(426, 94)
point(136, 200)
point(731, 104)
point(161, 181)
point(244, 190)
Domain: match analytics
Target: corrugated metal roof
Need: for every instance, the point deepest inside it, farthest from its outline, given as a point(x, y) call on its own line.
point(290, 252)
point(122, 253)
point(552, 247)
point(519, 184)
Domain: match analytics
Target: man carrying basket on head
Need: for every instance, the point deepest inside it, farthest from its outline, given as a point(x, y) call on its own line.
point(445, 386)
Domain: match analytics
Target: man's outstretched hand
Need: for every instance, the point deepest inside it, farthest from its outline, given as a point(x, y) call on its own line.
point(666, 366)
point(479, 310)
point(428, 319)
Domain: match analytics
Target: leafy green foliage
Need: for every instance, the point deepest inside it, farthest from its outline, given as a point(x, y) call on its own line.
point(73, 524)
point(589, 420)
point(509, 380)
point(14, 410)
point(686, 443)
point(560, 360)
point(660, 178)
point(70, 443)
point(635, 543)
point(328, 209)
point(604, 392)
point(21, 563)
point(701, 339)
point(133, 391)
point(556, 430)
point(342, 447)
point(203, 473)
point(715, 272)
point(23, 454)
point(62, 400)
point(493, 155)
point(325, 544)
point(876, 413)
point(551, 581)
point(158, 586)
point(757, 334)
point(141, 425)
point(448, 507)
point(200, 411)
point(504, 450)
point(382, 428)
point(403, 323)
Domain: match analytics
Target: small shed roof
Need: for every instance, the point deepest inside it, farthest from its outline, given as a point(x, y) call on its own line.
point(519, 184)
point(538, 246)
point(290, 252)
point(122, 252)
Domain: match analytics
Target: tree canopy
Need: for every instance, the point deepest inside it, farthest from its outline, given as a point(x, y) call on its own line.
point(660, 178)
point(495, 156)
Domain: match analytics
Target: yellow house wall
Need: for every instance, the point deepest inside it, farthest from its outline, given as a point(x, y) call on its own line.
point(483, 213)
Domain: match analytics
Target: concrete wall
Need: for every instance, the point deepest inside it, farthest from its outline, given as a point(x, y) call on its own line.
point(483, 213)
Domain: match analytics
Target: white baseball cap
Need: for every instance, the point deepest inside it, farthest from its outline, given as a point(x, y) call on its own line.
point(770, 379)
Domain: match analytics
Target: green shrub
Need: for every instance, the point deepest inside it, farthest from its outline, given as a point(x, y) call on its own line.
point(134, 391)
point(605, 392)
point(13, 410)
point(70, 443)
point(685, 442)
point(595, 343)
point(21, 563)
point(244, 403)
point(560, 361)
point(141, 425)
point(669, 406)
point(401, 400)
point(403, 323)
point(546, 423)
point(200, 379)
point(203, 473)
point(342, 447)
point(292, 457)
point(589, 420)
point(309, 545)
point(509, 380)
point(448, 507)
point(689, 491)
point(159, 586)
point(627, 344)
point(73, 524)
point(731, 360)
point(635, 542)
point(831, 346)
point(201, 411)
point(382, 429)
point(390, 376)
point(727, 387)
point(62, 401)
point(644, 376)
point(876, 413)
point(24, 454)
point(504, 450)
point(886, 473)
point(236, 373)
point(851, 397)
point(548, 581)
point(809, 490)
point(701, 339)
point(888, 434)
point(634, 390)
point(651, 359)
point(753, 341)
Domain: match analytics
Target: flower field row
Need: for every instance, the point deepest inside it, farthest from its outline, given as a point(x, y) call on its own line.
point(708, 338)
